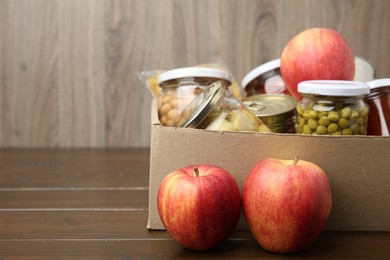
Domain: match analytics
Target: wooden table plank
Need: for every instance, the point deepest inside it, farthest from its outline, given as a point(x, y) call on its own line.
point(42, 168)
point(70, 224)
point(70, 199)
point(330, 245)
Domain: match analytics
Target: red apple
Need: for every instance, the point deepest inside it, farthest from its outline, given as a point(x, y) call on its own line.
point(316, 53)
point(199, 206)
point(286, 203)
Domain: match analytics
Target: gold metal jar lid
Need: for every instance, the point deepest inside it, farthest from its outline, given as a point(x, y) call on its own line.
point(201, 106)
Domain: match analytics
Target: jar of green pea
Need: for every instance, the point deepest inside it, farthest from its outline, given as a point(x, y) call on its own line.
point(332, 107)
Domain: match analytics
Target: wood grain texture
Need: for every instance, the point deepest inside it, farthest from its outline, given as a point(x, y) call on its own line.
point(68, 68)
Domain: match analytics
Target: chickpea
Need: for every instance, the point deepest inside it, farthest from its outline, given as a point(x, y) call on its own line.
point(172, 114)
point(165, 108)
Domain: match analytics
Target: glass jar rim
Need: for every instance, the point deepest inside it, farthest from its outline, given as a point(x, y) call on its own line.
point(256, 72)
point(195, 72)
point(343, 88)
point(379, 83)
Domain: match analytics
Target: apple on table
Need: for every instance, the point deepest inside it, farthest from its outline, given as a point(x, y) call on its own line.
point(286, 203)
point(199, 205)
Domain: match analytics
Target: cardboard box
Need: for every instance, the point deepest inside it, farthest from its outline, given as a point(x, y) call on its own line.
point(358, 167)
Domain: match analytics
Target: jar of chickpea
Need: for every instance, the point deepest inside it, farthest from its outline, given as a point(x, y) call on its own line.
point(332, 107)
point(180, 86)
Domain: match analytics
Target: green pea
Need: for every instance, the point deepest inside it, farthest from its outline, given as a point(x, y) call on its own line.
point(300, 110)
point(347, 131)
point(333, 127)
point(305, 115)
point(355, 128)
point(312, 123)
point(336, 133)
point(301, 121)
point(360, 121)
point(346, 112)
point(354, 114)
point(343, 123)
point(363, 112)
point(322, 114)
point(325, 121)
point(307, 130)
point(321, 130)
point(333, 116)
point(313, 114)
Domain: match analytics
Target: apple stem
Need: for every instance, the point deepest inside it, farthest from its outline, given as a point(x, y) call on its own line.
point(196, 170)
point(296, 159)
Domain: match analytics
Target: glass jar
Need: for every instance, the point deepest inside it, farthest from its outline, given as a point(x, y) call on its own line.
point(179, 87)
point(265, 79)
point(332, 107)
point(216, 109)
point(379, 102)
point(364, 71)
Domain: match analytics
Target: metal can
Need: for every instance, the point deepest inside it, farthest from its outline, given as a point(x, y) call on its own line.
point(379, 102)
point(277, 111)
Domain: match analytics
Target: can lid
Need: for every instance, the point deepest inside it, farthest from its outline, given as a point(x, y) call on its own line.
point(343, 88)
point(270, 104)
point(379, 83)
point(201, 106)
point(271, 65)
point(194, 72)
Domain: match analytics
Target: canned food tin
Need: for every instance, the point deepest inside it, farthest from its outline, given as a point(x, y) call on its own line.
point(277, 111)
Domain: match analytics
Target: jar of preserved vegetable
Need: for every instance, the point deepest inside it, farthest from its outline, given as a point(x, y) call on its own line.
point(379, 102)
point(265, 79)
point(277, 111)
point(332, 107)
point(216, 109)
point(180, 86)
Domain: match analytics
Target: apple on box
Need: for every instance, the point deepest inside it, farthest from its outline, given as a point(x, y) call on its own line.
point(316, 54)
point(199, 205)
point(286, 204)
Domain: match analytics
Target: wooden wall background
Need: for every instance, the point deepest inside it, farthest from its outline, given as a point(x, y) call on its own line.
point(68, 67)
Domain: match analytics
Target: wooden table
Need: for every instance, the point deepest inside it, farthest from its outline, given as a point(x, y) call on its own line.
point(94, 203)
